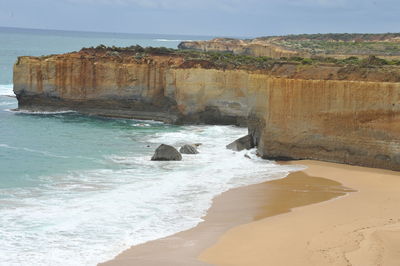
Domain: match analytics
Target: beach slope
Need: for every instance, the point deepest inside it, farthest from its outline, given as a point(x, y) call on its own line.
point(361, 228)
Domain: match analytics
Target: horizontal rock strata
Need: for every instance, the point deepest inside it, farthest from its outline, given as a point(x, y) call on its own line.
point(322, 112)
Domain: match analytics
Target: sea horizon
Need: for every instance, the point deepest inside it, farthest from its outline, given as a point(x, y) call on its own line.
point(114, 34)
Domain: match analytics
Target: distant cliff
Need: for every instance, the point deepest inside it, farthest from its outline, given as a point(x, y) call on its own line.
point(244, 47)
point(306, 45)
point(341, 113)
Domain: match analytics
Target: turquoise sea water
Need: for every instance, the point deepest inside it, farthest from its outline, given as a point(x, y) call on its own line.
point(77, 190)
point(18, 42)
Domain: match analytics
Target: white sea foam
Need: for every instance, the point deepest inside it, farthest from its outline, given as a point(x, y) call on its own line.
point(40, 112)
point(139, 124)
point(6, 90)
point(45, 153)
point(85, 217)
point(3, 103)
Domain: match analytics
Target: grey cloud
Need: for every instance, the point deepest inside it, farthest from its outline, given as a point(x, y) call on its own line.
point(205, 17)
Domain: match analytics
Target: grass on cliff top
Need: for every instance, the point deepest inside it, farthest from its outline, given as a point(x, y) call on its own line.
point(339, 37)
point(349, 48)
point(230, 60)
point(384, 44)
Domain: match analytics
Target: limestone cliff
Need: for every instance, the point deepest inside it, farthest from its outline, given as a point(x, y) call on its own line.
point(153, 87)
point(338, 46)
point(350, 122)
point(326, 112)
point(236, 46)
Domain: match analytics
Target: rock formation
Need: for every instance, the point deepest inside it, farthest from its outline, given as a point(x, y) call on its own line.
point(188, 149)
point(348, 114)
point(243, 143)
point(305, 45)
point(347, 122)
point(166, 153)
point(236, 46)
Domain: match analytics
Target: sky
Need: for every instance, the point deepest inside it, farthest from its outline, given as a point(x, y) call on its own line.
point(240, 18)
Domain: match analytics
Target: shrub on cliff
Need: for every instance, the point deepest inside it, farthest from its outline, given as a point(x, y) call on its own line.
point(373, 61)
point(234, 61)
point(135, 49)
point(351, 60)
point(159, 50)
point(307, 61)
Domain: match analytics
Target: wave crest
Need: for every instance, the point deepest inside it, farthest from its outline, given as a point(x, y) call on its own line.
point(7, 90)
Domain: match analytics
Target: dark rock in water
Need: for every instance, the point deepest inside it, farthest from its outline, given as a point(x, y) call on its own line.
point(166, 153)
point(198, 144)
point(188, 149)
point(243, 143)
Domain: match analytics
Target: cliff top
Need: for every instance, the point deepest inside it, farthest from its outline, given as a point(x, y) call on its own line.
point(332, 44)
point(323, 68)
point(232, 61)
point(340, 37)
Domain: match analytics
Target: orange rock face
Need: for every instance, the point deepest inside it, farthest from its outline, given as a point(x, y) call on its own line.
point(313, 112)
point(236, 46)
point(276, 47)
point(340, 121)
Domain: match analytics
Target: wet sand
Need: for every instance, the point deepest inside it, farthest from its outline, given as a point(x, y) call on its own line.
point(242, 206)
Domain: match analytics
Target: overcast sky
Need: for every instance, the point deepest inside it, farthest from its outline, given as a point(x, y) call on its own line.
point(205, 17)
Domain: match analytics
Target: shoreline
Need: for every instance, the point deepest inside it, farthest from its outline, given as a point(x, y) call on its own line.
point(233, 208)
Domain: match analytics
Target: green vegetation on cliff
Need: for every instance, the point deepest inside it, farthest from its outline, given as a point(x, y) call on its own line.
point(385, 44)
point(345, 37)
point(341, 47)
point(232, 61)
point(338, 45)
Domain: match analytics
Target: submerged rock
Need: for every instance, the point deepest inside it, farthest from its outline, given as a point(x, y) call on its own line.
point(188, 149)
point(244, 143)
point(166, 153)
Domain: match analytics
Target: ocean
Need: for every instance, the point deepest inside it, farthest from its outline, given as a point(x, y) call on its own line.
point(77, 190)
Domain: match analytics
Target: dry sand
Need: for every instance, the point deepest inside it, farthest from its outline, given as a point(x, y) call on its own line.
point(362, 228)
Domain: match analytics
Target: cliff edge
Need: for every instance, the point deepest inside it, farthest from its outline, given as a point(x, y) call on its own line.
point(347, 112)
point(335, 45)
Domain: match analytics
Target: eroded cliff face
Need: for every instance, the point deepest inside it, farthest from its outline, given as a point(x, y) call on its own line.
point(340, 121)
point(104, 86)
point(155, 87)
point(301, 46)
point(315, 112)
point(236, 46)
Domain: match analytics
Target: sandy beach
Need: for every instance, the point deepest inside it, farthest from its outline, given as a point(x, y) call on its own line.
point(246, 205)
point(328, 214)
point(362, 228)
